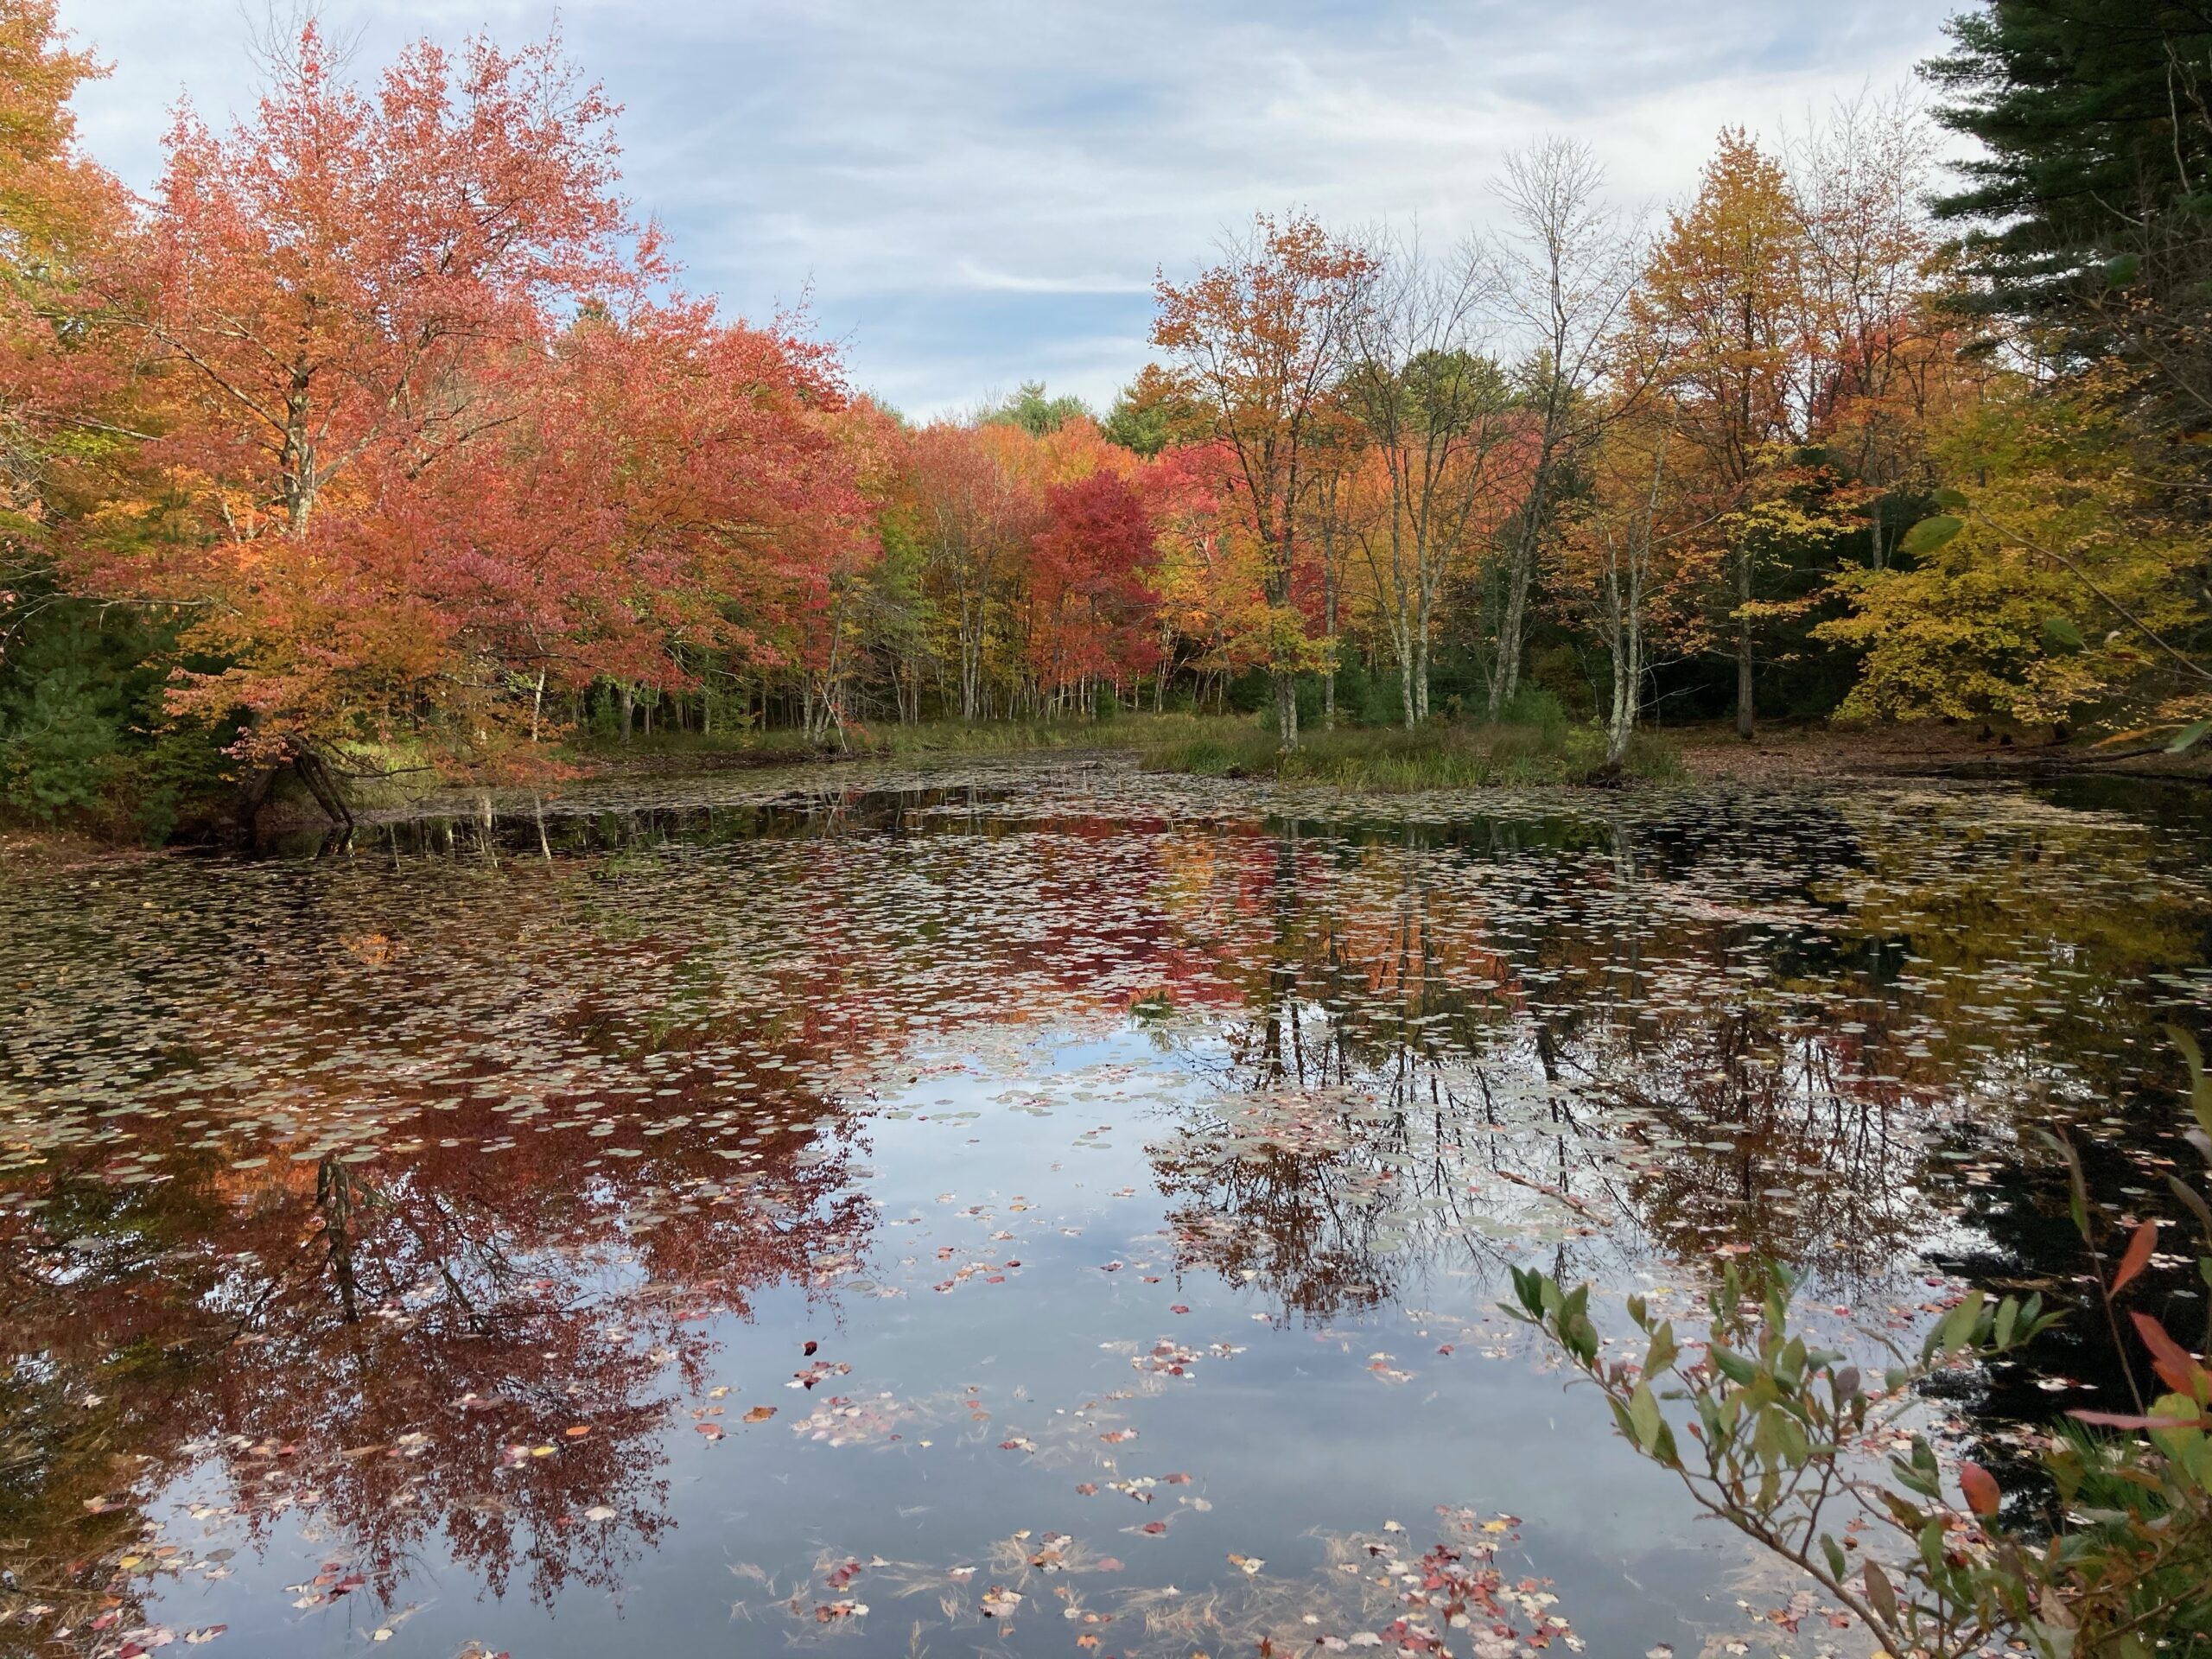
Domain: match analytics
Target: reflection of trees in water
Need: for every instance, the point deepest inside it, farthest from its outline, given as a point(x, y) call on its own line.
point(1302, 1226)
point(1748, 1133)
point(382, 1338)
point(1689, 1027)
point(1702, 1070)
point(1354, 1123)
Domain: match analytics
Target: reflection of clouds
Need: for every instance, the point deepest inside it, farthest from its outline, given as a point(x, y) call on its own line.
point(464, 1135)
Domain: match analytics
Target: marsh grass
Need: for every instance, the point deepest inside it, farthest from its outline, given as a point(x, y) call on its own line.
point(1127, 731)
point(1396, 760)
point(945, 737)
point(1545, 749)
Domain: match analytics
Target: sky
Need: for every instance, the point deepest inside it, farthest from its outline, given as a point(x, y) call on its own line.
point(971, 194)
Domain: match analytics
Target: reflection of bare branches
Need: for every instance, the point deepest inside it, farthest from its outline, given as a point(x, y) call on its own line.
point(594, 1061)
point(1277, 1218)
point(1643, 1066)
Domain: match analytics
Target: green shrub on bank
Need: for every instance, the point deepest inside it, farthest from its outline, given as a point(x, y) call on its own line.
point(84, 737)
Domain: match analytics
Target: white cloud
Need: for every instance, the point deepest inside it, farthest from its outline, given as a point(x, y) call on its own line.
point(979, 191)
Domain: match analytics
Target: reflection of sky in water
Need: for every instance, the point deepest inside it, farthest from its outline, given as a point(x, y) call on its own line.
point(739, 1075)
point(1293, 1431)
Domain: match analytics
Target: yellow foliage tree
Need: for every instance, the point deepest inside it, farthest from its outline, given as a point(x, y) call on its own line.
point(2060, 584)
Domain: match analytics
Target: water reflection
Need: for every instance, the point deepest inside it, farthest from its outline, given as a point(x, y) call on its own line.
point(412, 1196)
point(398, 1343)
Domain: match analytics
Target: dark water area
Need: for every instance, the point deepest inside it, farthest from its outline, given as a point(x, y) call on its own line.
point(1035, 1207)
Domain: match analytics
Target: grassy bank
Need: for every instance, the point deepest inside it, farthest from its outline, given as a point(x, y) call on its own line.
point(1429, 757)
point(1370, 758)
point(1379, 758)
point(893, 741)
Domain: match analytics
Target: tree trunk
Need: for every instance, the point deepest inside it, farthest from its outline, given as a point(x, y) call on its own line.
point(972, 658)
point(1329, 632)
point(1420, 659)
point(1513, 620)
point(1329, 616)
point(1286, 689)
point(1746, 714)
point(307, 765)
point(333, 1195)
point(253, 795)
point(1627, 643)
point(628, 695)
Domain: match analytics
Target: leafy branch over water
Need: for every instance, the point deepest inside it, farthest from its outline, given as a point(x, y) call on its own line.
point(1785, 1441)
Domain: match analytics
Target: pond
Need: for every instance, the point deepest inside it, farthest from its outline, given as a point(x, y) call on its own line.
point(1037, 1207)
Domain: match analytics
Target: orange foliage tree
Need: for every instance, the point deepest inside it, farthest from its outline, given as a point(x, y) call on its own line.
point(1215, 615)
point(1721, 315)
point(1261, 340)
point(346, 293)
point(60, 215)
point(428, 444)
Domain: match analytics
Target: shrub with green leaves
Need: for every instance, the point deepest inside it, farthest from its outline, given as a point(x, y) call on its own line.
point(1781, 1440)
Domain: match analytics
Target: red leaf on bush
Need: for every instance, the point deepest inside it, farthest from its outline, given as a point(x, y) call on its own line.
point(1983, 1497)
point(2176, 1367)
point(2138, 1257)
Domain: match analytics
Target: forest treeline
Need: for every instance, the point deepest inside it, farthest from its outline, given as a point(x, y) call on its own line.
point(382, 436)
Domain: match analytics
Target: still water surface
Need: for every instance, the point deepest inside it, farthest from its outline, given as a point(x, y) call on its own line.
point(1039, 1208)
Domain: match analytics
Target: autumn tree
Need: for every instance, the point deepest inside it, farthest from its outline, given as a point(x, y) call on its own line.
point(1090, 601)
point(1567, 263)
point(971, 516)
point(1029, 543)
point(1720, 319)
point(1881, 330)
point(345, 287)
point(1214, 613)
point(1260, 339)
point(2065, 581)
point(1638, 564)
point(58, 211)
point(673, 489)
point(1438, 416)
point(336, 271)
point(1341, 510)
point(73, 688)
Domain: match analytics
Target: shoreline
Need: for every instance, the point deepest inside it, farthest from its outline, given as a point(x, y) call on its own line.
point(1782, 756)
